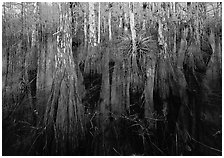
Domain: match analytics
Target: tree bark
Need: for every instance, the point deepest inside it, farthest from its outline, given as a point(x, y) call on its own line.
point(175, 33)
point(85, 30)
point(33, 66)
point(132, 26)
point(99, 16)
point(7, 50)
point(92, 26)
point(23, 53)
point(109, 22)
point(64, 113)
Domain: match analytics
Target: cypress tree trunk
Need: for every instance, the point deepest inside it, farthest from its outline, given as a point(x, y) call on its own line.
point(64, 113)
point(163, 69)
point(105, 106)
point(163, 73)
point(149, 87)
point(23, 42)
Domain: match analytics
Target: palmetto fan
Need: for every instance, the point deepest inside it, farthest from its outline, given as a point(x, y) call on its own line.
point(136, 59)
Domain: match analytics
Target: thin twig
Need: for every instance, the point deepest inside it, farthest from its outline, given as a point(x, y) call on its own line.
point(33, 143)
point(206, 145)
point(158, 148)
point(117, 152)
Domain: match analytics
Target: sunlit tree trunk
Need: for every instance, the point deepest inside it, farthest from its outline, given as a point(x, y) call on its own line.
point(85, 29)
point(92, 42)
point(130, 64)
point(125, 22)
point(64, 113)
point(109, 22)
point(99, 16)
point(163, 57)
point(121, 19)
point(92, 25)
point(132, 25)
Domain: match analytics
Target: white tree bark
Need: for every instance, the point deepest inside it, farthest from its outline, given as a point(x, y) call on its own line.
point(120, 22)
point(99, 25)
point(126, 22)
point(85, 28)
point(109, 23)
point(132, 25)
point(92, 26)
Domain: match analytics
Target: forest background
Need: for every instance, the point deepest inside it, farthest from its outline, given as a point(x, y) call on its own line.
point(117, 78)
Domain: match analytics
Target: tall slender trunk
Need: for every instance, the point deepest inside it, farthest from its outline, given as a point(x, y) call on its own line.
point(150, 75)
point(163, 56)
point(33, 66)
point(23, 41)
point(92, 26)
point(85, 30)
point(105, 105)
point(132, 25)
point(109, 23)
point(45, 62)
point(99, 16)
point(175, 34)
point(121, 19)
